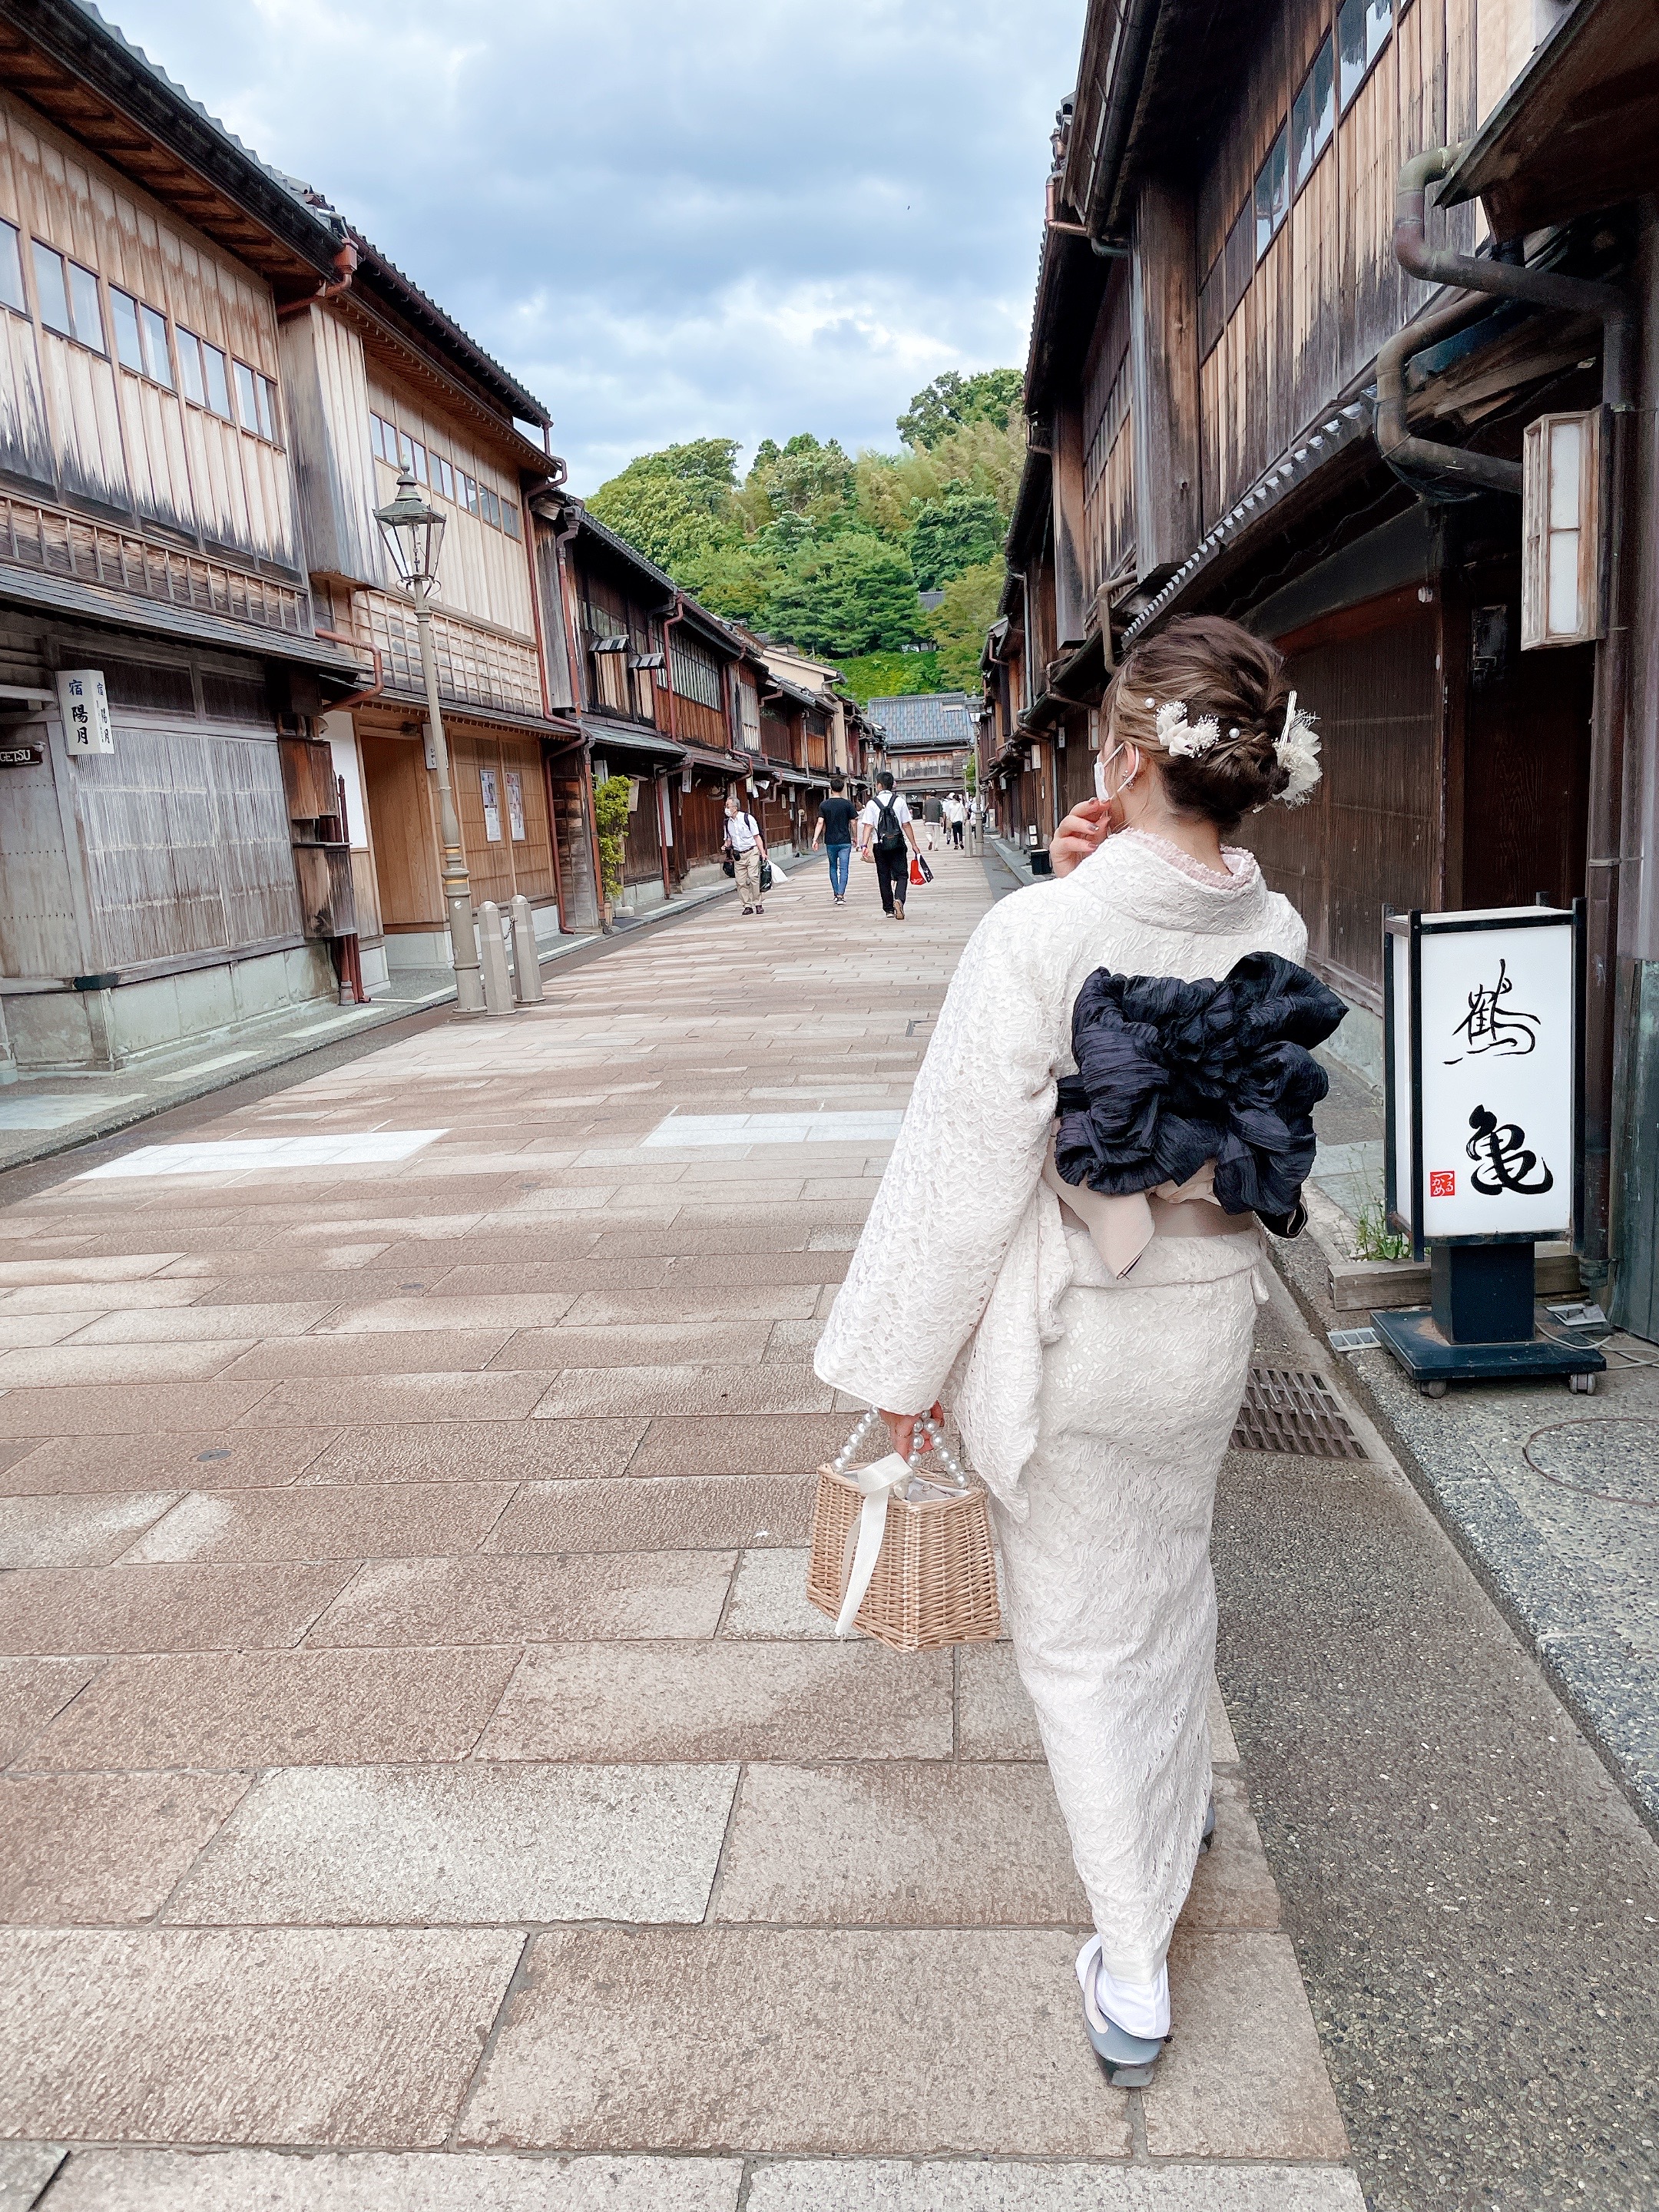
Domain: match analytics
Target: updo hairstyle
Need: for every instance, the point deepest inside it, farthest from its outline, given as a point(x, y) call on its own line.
point(1214, 668)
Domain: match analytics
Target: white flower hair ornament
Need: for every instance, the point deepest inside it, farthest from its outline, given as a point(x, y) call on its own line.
point(1297, 748)
point(1182, 739)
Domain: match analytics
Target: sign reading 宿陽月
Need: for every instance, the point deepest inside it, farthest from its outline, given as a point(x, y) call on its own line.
point(85, 704)
point(1482, 1023)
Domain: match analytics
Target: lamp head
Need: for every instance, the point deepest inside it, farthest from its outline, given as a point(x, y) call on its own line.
point(413, 530)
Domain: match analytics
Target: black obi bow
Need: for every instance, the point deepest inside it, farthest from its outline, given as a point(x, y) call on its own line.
point(1172, 1074)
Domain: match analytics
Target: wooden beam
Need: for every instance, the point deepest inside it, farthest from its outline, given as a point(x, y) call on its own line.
point(1163, 347)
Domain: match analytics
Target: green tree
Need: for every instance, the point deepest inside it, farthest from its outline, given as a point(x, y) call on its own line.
point(952, 400)
point(610, 822)
point(961, 531)
point(870, 676)
point(856, 594)
point(960, 619)
point(677, 505)
point(803, 477)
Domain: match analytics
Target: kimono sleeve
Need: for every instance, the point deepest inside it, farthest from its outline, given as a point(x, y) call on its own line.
point(965, 1165)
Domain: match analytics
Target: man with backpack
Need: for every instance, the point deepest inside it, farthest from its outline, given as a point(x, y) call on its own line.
point(746, 849)
point(888, 838)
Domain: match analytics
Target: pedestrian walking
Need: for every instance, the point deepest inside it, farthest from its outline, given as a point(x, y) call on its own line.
point(746, 848)
point(956, 815)
point(835, 832)
point(887, 835)
point(1097, 1402)
point(932, 813)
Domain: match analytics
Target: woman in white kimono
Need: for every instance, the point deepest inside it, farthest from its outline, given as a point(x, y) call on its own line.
point(1097, 1402)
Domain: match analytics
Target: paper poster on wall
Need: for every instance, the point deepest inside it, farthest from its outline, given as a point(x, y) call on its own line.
point(492, 805)
point(515, 806)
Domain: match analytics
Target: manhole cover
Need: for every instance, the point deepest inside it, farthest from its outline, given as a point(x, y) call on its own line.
point(1617, 1459)
point(1286, 1410)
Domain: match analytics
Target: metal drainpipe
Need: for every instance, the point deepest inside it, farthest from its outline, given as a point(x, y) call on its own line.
point(677, 614)
point(1575, 296)
point(345, 268)
point(562, 537)
point(369, 691)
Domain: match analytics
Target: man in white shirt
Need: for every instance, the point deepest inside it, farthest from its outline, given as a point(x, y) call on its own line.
point(747, 846)
point(885, 835)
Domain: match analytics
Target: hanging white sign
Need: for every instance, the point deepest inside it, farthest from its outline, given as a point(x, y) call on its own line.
point(492, 808)
point(1482, 1018)
point(85, 705)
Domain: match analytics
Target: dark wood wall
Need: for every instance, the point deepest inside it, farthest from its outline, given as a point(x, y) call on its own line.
point(1281, 334)
point(1369, 836)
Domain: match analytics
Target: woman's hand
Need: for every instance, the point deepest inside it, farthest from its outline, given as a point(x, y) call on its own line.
point(1085, 829)
point(902, 1427)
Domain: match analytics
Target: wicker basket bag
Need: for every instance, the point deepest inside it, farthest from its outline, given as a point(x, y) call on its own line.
point(901, 1554)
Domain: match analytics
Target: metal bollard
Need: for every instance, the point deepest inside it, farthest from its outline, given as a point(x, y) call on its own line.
point(492, 957)
point(526, 955)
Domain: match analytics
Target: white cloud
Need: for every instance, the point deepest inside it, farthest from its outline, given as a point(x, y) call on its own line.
point(739, 219)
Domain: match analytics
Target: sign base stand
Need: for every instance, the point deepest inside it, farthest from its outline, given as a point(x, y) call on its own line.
point(1479, 1327)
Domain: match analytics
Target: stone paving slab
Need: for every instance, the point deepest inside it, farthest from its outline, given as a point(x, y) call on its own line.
point(32, 1692)
point(280, 2035)
point(487, 1845)
point(407, 2181)
point(25, 2170)
point(505, 1599)
point(88, 1531)
point(218, 1460)
point(249, 1709)
point(768, 1599)
point(316, 1521)
point(163, 1609)
point(1242, 2077)
point(724, 1701)
point(731, 1343)
point(942, 2185)
point(906, 2042)
point(688, 1390)
point(739, 1442)
point(481, 1451)
point(103, 1848)
point(908, 1846)
point(669, 1512)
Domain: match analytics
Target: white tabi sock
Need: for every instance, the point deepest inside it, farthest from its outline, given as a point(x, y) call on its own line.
point(1140, 2008)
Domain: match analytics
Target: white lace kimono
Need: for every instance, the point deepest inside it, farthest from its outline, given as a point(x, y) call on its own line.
point(1097, 1410)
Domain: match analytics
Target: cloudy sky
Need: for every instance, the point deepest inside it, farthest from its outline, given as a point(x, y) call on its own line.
point(739, 218)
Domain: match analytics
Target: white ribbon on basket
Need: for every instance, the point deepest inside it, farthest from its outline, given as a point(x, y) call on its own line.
point(878, 1482)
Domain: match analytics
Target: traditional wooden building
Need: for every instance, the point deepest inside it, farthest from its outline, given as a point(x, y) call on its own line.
point(162, 658)
point(927, 739)
point(380, 380)
point(660, 690)
point(1270, 376)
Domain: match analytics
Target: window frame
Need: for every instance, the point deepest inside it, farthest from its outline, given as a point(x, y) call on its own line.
point(1299, 175)
point(211, 353)
point(1345, 98)
point(1276, 158)
point(117, 298)
point(20, 306)
point(149, 320)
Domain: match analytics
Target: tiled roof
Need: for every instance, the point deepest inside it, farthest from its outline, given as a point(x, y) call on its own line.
point(923, 719)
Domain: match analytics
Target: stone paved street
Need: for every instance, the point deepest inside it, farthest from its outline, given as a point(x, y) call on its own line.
point(421, 1750)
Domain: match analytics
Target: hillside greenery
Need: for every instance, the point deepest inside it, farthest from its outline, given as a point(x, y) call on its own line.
point(828, 551)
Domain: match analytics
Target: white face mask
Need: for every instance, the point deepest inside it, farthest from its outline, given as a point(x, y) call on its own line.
point(1100, 767)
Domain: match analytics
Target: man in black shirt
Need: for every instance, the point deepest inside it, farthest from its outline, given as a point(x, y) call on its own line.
point(835, 834)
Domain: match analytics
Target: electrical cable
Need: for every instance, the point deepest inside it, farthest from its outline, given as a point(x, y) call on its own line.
point(1611, 1496)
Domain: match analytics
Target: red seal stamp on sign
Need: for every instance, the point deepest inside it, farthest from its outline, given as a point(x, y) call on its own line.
point(1442, 1182)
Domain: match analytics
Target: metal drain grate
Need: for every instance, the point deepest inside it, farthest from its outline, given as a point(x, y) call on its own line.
point(1286, 1410)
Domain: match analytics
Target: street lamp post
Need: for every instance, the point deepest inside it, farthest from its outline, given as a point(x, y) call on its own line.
point(413, 530)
